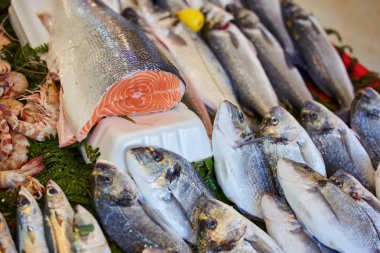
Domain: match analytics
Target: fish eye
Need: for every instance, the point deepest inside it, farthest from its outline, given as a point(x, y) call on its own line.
point(23, 202)
point(52, 191)
point(211, 224)
point(240, 117)
point(314, 115)
point(156, 156)
point(106, 180)
point(273, 121)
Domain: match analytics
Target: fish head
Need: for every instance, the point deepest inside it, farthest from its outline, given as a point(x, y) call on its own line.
point(230, 122)
point(347, 183)
point(215, 16)
point(113, 185)
point(54, 196)
point(278, 123)
point(244, 18)
point(316, 117)
point(220, 227)
point(275, 208)
point(367, 103)
point(293, 13)
point(26, 204)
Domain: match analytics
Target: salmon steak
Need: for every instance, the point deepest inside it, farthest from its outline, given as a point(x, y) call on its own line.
point(107, 66)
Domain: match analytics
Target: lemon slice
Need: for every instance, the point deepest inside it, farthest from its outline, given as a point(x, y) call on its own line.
point(192, 18)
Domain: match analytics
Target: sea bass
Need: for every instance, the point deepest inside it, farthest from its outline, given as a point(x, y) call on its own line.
point(365, 121)
point(240, 165)
point(283, 75)
point(6, 242)
point(238, 56)
point(322, 60)
point(30, 224)
point(338, 144)
point(118, 205)
point(271, 16)
point(88, 236)
point(171, 187)
point(223, 229)
point(107, 66)
point(58, 216)
point(328, 213)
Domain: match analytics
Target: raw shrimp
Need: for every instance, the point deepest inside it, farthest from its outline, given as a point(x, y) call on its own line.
point(5, 67)
point(13, 105)
point(13, 84)
point(3, 40)
point(6, 145)
point(19, 154)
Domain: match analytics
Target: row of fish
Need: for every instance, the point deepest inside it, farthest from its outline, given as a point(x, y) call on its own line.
point(58, 228)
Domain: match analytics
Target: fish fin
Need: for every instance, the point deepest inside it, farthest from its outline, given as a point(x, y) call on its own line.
point(265, 34)
point(234, 40)
point(176, 39)
point(314, 25)
point(345, 142)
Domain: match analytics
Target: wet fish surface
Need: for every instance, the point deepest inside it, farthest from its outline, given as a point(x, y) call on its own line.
point(6, 243)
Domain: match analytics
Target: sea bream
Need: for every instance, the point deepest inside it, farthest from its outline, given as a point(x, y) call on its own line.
point(283, 75)
point(238, 57)
point(172, 189)
point(322, 60)
point(107, 66)
point(118, 205)
point(365, 121)
point(240, 165)
point(338, 144)
point(6, 242)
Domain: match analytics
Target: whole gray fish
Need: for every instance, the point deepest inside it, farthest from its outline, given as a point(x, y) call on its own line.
point(6, 242)
point(322, 60)
point(118, 71)
point(30, 224)
point(58, 217)
point(88, 236)
point(171, 187)
point(271, 16)
point(239, 59)
point(117, 203)
point(338, 144)
point(328, 213)
point(223, 229)
point(283, 226)
point(365, 121)
point(286, 138)
point(240, 165)
point(283, 75)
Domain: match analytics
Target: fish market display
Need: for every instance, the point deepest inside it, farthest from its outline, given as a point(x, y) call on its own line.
point(329, 214)
point(30, 225)
point(117, 71)
point(271, 16)
point(239, 59)
point(338, 144)
point(322, 60)
point(240, 166)
point(58, 217)
point(365, 121)
point(88, 236)
point(6, 242)
point(117, 203)
point(223, 229)
point(378, 182)
point(283, 75)
point(170, 186)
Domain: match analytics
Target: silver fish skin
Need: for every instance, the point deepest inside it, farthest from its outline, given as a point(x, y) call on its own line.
point(238, 57)
point(365, 121)
point(283, 75)
point(58, 219)
point(6, 242)
point(118, 205)
point(30, 224)
point(329, 214)
point(283, 226)
point(323, 61)
point(223, 229)
point(170, 186)
point(378, 182)
point(338, 144)
point(271, 16)
point(93, 239)
point(240, 165)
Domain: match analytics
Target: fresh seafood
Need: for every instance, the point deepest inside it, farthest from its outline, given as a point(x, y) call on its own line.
point(271, 16)
point(283, 226)
point(223, 229)
point(170, 186)
point(6, 243)
point(30, 226)
point(58, 216)
point(13, 105)
point(283, 75)
point(240, 165)
point(5, 67)
point(239, 59)
point(285, 138)
point(88, 236)
point(329, 214)
point(6, 146)
point(118, 205)
point(322, 60)
point(13, 84)
point(3, 40)
point(119, 71)
point(19, 155)
point(365, 121)
point(338, 144)
point(377, 175)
